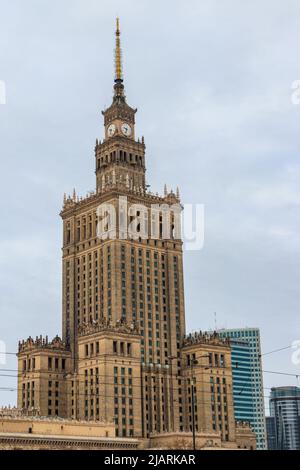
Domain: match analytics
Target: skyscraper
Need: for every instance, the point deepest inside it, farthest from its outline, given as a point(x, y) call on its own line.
point(242, 383)
point(248, 379)
point(115, 281)
point(271, 433)
point(284, 428)
point(124, 355)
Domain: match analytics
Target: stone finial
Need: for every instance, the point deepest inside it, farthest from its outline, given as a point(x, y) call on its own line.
point(177, 193)
point(165, 190)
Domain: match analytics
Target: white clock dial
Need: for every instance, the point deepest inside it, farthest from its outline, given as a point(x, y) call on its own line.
point(126, 129)
point(111, 130)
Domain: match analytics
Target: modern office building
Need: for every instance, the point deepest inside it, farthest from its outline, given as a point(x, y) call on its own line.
point(248, 379)
point(242, 383)
point(284, 429)
point(271, 433)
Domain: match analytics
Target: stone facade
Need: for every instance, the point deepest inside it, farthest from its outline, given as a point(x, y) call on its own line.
point(245, 436)
point(19, 432)
point(245, 440)
point(124, 354)
point(42, 369)
point(206, 365)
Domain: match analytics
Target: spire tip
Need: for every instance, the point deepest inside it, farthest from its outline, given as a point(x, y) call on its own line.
point(118, 53)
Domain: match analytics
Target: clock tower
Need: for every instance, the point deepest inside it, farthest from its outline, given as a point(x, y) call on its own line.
point(124, 354)
point(116, 284)
point(120, 159)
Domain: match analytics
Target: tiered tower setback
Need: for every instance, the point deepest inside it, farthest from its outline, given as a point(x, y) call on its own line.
point(124, 355)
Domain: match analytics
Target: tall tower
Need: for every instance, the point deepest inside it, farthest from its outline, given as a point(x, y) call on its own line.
point(134, 279)
point(285, 418)
point(120, 157)
point(124, 356)
point(252, 386)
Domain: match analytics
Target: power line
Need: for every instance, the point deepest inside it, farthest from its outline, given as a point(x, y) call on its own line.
point(281, 373)
point(97, 375)
point(112, 383)
point(98, 395)
point(148, 366)
point(276, 350)
point(262, 354)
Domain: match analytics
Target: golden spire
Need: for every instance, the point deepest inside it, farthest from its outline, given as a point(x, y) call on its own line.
point(118, 54)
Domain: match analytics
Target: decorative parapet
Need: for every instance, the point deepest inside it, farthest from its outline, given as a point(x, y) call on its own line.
point(74, 200)
point(106, 325)
point(14, 412)
point(205, 338)
point(41, 343)
point(71, 201)
point(243, 425)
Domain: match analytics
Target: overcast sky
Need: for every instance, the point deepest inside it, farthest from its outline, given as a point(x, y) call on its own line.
point(212, 82)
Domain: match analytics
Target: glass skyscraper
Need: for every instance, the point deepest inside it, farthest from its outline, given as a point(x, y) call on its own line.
point(242, 383)
point(248, 392)
point(285, 418)
point(271, 433)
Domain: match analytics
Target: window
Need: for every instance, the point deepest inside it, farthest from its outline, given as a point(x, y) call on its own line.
point(216, 360)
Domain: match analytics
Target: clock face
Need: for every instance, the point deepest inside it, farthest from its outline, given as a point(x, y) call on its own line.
point(111, 130)
point(126, 129)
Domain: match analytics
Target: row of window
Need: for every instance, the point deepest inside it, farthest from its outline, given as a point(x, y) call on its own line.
point(119, 347)
point(119, 156)
point(53, 364)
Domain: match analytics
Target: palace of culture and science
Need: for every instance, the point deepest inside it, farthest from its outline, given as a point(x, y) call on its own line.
point(124, 356)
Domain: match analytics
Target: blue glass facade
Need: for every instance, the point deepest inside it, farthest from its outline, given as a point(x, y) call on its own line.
point(242, 384)
point(248, 380)
point(285, 412)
